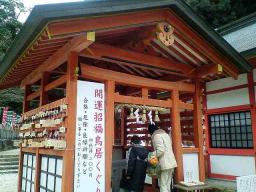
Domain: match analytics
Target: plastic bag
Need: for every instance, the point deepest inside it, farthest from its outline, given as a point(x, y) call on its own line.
point(153, 169)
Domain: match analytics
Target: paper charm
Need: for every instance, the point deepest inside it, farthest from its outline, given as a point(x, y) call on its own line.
point(156, 117)
point(137, 116)
point(144, 117)
point(150, 118)
point(131, 113)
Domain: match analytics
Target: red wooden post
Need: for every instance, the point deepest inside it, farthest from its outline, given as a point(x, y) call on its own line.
point(43, 94)
point(176, 135)
point(251, 90)
point(37, 171)
point(25, 102)
point(198, 130)
point(109, 132)
point(68, 161)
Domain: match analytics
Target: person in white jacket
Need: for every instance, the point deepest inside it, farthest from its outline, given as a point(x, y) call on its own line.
point(162, 145)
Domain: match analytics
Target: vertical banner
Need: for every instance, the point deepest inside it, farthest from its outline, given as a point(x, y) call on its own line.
point(90, 138)
point(4, 118)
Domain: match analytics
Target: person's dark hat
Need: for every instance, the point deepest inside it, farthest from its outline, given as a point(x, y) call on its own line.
point(152, 128)
point(135, 139)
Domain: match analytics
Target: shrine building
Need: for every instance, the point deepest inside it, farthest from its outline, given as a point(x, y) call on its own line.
point(95, 73)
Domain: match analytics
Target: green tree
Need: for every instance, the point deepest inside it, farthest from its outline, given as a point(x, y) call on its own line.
point(9, 24)
point(220, 12)
point(214, 12)
point(9, 27)
point(12, 98)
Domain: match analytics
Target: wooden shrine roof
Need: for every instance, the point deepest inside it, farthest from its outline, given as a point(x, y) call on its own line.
point(241, 35)
point(52, 27)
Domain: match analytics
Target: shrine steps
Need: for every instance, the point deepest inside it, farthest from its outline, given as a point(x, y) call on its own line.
point(9, 163)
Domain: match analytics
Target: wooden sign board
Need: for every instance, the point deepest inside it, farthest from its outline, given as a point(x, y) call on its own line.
point(90, 137)
point(190, 167)
point(246, 183)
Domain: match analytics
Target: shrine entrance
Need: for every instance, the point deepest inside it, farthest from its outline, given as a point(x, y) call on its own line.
point(131, 120)
point(132, 105)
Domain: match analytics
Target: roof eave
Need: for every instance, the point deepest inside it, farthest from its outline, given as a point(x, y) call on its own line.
point(38, 20)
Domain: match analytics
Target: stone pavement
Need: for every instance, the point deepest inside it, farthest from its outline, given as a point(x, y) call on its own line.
point(8, 182)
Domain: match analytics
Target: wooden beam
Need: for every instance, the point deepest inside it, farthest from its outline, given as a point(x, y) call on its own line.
point(106, 22)
point(173, 78)
point(209, 69)
point(187, 106)
point(77, 44)
point(103, 50)
point(56, 83)
point(109, 132)
point(176, 136)
point(100, 74)
point(190, 150)
point(128, 65)
point(33, 95)
point(144, 93)
point(58, 153)
point(141, 101)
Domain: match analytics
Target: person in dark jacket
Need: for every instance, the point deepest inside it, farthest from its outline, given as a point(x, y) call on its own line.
point(137, 165)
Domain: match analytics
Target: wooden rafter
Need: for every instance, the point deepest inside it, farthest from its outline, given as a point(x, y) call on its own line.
point(100, 74)
point(172, 78)
point(209, 69)
point(149, 35)
point(142, 101)
point(33, 95)
point(170, 53)
point(102, 50)
point(77, 44)
point(130, 65)
point(191, 49)
point(204, 47)
point(56, 83)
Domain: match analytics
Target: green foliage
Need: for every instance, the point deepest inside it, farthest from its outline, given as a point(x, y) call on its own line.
point(9, 25)
point(13, 98)
point(220, 12)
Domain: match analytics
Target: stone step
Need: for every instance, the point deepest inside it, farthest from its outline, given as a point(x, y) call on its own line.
point(8, 156)
point(9, 159)
point(9, 163)
point(8, 171)
point(8, 167)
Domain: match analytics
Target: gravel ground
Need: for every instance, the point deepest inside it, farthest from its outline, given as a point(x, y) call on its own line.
point(8, 182)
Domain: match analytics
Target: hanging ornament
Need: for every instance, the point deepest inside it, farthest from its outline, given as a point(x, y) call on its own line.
point(144, 117)
point(150, 118)
point(156, 117)
point(131, 113)
point(137, 116)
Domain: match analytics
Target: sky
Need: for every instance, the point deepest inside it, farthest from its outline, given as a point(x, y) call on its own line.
point(31, 3)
